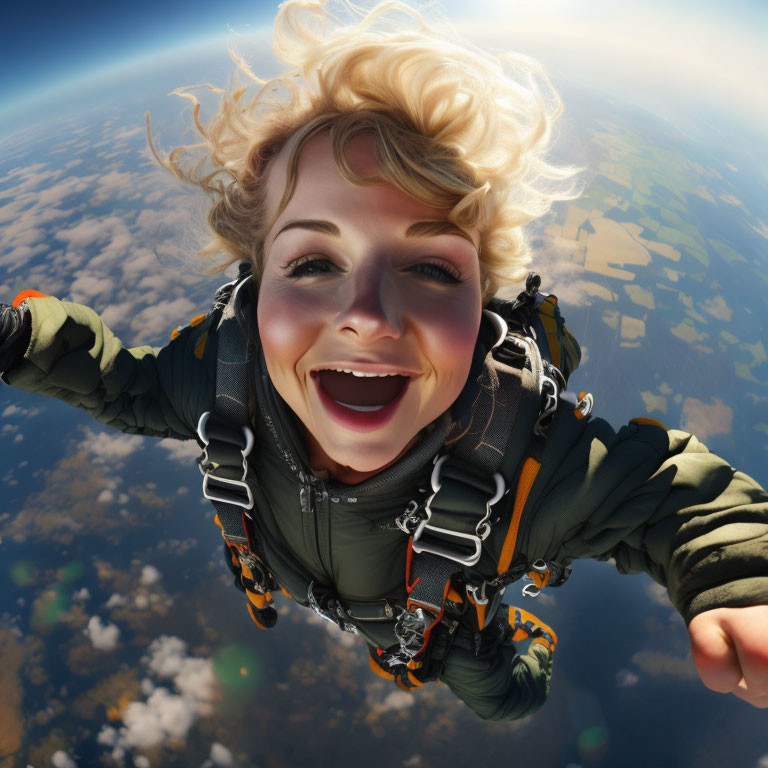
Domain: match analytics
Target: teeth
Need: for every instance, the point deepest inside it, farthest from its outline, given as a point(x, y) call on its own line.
point(365, 408)
point(360, 373)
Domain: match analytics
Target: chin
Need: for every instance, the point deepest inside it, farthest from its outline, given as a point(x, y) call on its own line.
point(362, 460)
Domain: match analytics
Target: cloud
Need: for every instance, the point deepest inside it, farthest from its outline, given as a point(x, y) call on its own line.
point(108, 448)
point(166, 715)
point(62, 760)
point(762, 762)
point(116, 601)
point(626, 679)
point(659, 595)
point(220, 755)
point(82, 594)
point(183, 451)
point(106, 496)
point(397, 700)
point(141, 762)
point(103, 637)
point(658, 664)
point(149, 575)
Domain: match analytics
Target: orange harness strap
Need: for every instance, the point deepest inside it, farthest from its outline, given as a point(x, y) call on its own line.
point(524, 484)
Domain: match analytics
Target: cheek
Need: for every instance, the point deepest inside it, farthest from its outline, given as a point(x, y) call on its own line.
point(448, 336)
point(286, 330)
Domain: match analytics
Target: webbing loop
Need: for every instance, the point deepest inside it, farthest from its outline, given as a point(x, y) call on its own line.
point(465, 546)
point(217, 487)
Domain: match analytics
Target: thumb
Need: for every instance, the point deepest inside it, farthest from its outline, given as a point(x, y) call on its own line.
point(714, 653)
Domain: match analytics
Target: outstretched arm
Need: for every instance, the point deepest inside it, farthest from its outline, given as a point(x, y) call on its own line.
point(658, 501)
point(72, 355)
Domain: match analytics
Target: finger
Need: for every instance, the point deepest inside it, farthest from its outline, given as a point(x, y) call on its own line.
point(749, 644)
point(714, 656)
point(759, 700)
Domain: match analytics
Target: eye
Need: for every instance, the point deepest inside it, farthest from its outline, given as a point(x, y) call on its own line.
point(308, 266)
point(442, 273)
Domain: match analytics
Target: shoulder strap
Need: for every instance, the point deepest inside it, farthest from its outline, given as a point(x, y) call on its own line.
point(448, 533)
point(227, 441)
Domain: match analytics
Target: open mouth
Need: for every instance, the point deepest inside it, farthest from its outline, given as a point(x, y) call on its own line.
point(363, 393)
point(360, 402)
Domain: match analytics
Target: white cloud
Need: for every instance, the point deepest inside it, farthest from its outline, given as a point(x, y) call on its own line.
point(82, 594)
point(762, 762)
point(183, 451)
point(166, 715)
point(163, 717)
point(397, 700)
point(103, 637)
point(11, 410)
point(140, 761)
point(108, 449)
point(162, 317)
point(141, 602)
point(626, 679)
point(116, 601)
point(220, 755)
point(106, 496)
point(18, 438)
point(149, 575)
point(62, 760)
point(86, 287)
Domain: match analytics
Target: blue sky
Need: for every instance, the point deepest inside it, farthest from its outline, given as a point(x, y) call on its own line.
point(703, 51)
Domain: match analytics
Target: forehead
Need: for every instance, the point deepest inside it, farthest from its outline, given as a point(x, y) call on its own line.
point(319, 183)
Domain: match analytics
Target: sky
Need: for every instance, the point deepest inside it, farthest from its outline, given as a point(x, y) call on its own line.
point(668, 56)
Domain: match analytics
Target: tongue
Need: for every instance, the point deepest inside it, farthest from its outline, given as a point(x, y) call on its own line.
point(361, 390)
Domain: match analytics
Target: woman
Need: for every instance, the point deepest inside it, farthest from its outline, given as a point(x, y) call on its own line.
point(378, 203)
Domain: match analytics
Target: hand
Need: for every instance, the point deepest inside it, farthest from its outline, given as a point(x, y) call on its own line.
point(9, 321)
point(730, 650)
point(14, 335)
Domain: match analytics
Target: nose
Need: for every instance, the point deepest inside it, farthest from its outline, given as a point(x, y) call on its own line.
point(370, 308)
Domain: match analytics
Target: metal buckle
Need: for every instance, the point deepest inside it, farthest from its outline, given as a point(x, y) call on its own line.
point(481, 598)
point(337, 616)
point(481, 530)
point(550, 405)
point(204, 461)
point(530, 589)
point(500, 324)
point(228, 498)
point(409, 630)
point(410, 519)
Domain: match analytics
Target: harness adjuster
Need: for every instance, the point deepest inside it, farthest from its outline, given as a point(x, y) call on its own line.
point(410, 630)
point(236, 492)
point(443, 548)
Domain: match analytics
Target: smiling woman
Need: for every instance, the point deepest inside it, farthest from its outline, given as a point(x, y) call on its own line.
point(375, 196)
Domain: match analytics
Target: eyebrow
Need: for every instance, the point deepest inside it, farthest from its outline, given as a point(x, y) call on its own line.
point(430, 228)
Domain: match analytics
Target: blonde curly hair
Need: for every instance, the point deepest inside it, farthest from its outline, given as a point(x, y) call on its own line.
point(455, 128)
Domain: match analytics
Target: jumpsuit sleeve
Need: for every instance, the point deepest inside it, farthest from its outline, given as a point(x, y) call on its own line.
point(74, 357)
point(500, 684)
point(653, 500)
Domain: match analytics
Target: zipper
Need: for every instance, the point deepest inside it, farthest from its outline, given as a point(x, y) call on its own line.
point(308, 497)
